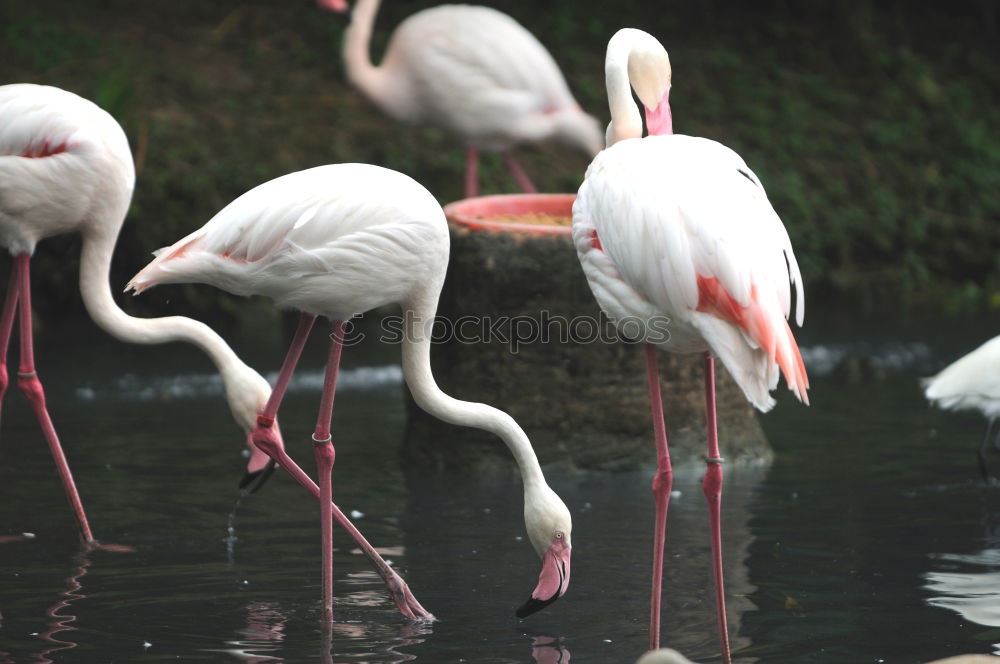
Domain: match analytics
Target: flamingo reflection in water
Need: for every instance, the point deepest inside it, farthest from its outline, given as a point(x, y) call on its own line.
point(58, 622)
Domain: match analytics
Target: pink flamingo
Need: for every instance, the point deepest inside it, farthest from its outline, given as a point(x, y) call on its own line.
point(474, 73)
point(677, 229)
point(338, 240)
point(65, 165)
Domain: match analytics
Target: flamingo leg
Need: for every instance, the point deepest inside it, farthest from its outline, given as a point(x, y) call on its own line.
point(712, 486)
point(325, 455)
point(662, 484)
point(471, 172)
point(264, 437)
point(523, 181)
point(7, 326)
point(27, 381)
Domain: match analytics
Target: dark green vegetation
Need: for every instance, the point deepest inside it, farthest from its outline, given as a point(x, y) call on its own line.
point(872, 125)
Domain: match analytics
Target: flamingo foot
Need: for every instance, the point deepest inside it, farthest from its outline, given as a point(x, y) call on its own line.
point(269, 442)
point(405, 601)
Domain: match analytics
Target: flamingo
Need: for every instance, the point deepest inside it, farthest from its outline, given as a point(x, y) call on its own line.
point(335, 241)
point(971, 382)
point(677, 230)
point(473, 72)
point(65, 166)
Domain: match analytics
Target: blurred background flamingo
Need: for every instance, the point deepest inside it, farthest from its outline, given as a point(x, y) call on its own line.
point(678, 230)
point(473, 72)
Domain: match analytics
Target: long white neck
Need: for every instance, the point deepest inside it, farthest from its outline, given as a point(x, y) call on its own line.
point(95, 263)
point(626, 122)
point(417, 372)
point(357, 60)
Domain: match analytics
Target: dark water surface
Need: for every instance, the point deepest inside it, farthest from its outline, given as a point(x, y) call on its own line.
point(870, 539)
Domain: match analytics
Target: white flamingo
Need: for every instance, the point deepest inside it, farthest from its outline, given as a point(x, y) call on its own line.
point(676, 233)
point(65, 166)
point(972, 382)
point(339, 240)
point(473, 72)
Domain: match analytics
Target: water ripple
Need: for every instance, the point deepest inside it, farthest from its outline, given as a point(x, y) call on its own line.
point(131, 387)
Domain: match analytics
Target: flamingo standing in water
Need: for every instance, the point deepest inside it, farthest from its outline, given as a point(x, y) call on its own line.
point(335, 241)
point(472, 72)
point(677, 229)
point(65, 166)
point(972, 382)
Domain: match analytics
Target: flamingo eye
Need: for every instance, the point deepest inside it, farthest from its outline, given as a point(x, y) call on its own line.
point(559, 534)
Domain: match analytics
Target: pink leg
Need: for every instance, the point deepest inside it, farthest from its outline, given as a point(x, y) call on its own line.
point(519, 175)
point(325, 455)
point(266, 439)
point(7, 326)
point(662, 484)
point(471, 172)
point(27, 381)
point(712, 486)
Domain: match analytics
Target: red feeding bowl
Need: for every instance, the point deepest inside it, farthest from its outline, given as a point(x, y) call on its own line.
point(480, 213)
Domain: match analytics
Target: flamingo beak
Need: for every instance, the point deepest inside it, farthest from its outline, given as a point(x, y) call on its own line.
point(259, 469)
point(553, 580)
point(259, 476)
point(338, 6)
point(659, 121)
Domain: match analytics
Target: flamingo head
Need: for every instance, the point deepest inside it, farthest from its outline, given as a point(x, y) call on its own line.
point(337, 6)
point(549, 527)
point(637, 59)
point(649, 73)
point(247, 393)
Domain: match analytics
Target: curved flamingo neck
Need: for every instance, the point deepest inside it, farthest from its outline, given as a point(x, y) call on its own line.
point(635, 59)
point(416, 355)
point(95, 264)
point(357, 59)
point(625, 119)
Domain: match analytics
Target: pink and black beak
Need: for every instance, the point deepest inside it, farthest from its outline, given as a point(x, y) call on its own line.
point(553, 580)
point(259, 469)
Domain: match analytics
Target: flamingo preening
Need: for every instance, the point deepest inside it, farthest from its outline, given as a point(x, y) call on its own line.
point(65, 166)
point(473, 72)
point(677, 229)
point(972, 382)
point(335, 241)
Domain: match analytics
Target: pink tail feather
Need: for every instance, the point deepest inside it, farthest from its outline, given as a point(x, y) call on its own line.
point(768, 330)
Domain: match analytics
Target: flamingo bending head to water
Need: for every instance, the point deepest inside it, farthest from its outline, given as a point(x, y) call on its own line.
point(972, 382)
point(474, 73)
point(338, 240)
point(677, 229)
point(65, 166)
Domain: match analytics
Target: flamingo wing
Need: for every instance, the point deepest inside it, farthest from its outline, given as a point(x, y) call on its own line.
point(56, 149)
point(331, 221)
point(690, 230)
point(476, 70)
point(972, 382)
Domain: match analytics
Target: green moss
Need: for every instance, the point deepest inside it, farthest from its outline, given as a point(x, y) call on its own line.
point(872, 128)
